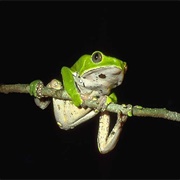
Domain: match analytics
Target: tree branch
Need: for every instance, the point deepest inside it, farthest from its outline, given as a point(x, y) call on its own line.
point(125, 109)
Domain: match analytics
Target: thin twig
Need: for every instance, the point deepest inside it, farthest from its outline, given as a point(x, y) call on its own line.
point(61, 94)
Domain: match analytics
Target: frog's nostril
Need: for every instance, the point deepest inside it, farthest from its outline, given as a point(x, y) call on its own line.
point(103, 76)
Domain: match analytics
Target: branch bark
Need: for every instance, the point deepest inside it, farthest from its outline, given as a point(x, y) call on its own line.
point(61, 94)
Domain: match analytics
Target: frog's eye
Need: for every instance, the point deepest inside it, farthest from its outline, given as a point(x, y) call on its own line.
point(96, 57)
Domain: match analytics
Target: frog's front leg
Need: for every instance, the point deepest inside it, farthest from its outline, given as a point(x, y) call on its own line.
point(36, 87)
point(107, 141)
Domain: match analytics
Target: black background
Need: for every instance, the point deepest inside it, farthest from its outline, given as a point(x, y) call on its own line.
point(38, 38)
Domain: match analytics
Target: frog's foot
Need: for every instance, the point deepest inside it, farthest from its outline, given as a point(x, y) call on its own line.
point(121, 118)
point(36, 88)
point(127, 109)
point(55, 84)
point(36, 91)
point(45, 101)
point(42, 102)
point(103, 102)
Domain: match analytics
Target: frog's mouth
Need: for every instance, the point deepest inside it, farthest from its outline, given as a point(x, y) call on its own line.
point(106, 75)
point(101, 79)
point(112, 70)
point(117, 72)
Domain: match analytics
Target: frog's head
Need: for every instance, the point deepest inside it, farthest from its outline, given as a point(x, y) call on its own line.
point(97, 60)
point(98, 71)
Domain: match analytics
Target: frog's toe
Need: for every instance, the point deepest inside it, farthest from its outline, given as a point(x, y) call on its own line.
point(102, 103)
point(42, 103)
point(36, 88)
point(122, 118)
point(55, 84)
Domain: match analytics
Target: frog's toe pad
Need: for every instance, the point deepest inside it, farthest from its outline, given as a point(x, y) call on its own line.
point(36, 88)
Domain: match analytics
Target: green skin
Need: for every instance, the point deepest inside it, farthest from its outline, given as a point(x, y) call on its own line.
point(92, 76)
point(83, 65)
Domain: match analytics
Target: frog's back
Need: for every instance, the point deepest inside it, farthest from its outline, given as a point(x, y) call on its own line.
point(80, 63)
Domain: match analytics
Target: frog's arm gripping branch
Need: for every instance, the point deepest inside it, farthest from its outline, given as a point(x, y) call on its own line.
point(125, 109)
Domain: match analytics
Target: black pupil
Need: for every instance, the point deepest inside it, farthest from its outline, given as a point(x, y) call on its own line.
point(97, 57)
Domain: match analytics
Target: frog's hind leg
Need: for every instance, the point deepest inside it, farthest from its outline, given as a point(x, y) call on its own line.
point(107, 141)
